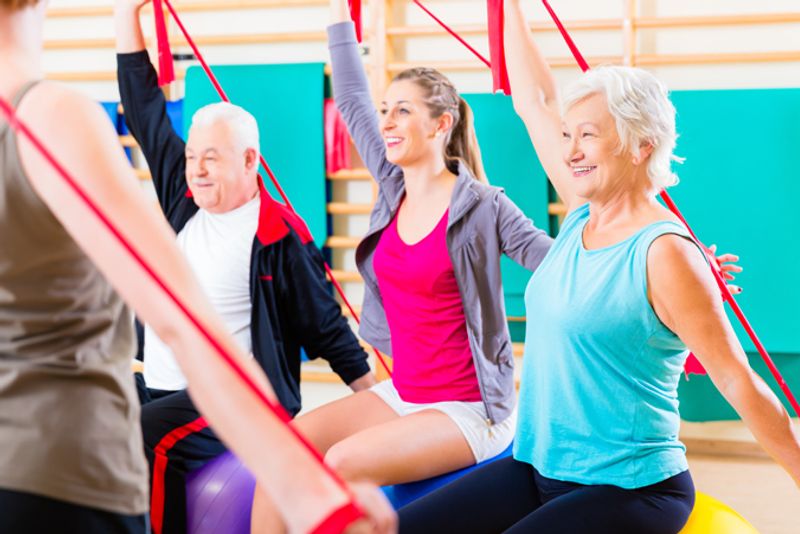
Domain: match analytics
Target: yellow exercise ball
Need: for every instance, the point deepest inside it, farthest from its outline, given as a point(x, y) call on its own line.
point(710, 516)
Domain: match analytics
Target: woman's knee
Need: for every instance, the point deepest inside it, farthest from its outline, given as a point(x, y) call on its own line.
point(346, 459)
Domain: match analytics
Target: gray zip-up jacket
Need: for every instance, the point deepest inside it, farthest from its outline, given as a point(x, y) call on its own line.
point(483, 223)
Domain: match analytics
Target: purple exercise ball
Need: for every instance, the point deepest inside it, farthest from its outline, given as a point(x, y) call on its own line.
point(219, 497)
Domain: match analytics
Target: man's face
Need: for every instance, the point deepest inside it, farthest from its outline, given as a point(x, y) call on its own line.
point(220, 175)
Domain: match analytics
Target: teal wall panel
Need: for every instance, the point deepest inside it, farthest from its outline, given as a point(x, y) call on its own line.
point(739, 188)
point(287, 102)
point(511, 163)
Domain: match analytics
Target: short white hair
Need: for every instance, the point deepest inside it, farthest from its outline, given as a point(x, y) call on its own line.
point(241, 123)
point(642, 111)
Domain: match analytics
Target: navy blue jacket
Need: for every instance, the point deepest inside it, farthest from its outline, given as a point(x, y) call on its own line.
point(292, 306)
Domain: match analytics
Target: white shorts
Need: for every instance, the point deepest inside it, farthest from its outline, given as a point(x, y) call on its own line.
point(485, 439)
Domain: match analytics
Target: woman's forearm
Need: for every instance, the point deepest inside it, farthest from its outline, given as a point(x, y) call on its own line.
point(766, 418)
point(340, 11)
point(531, 80)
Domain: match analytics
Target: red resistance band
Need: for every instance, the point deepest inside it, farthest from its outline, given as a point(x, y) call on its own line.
point(497, 48)
point(21, 129)
point(453, 33)
point(355, 14)
point(166, 67)
point(304, 227)
point(726, 293)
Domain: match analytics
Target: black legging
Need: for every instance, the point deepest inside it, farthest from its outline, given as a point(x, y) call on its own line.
point(511, 496)
point(26, 513)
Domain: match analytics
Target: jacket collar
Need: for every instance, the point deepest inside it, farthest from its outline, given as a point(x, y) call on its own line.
point(465, 195)
point(275, 220)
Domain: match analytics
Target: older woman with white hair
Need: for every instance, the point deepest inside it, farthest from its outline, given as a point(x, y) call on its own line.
point(611, 312)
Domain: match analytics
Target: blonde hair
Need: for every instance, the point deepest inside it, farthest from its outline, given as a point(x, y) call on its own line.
point(642, 111)
point(441, 96)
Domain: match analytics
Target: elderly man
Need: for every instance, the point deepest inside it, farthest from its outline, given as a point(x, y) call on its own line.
point(264, 280)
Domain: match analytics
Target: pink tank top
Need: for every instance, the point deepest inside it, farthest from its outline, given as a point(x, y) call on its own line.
point(430, 347)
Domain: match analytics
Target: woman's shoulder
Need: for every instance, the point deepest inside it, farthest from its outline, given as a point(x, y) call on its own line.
point(47, 99)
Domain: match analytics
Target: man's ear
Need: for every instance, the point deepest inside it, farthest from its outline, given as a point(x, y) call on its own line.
point(251, 159)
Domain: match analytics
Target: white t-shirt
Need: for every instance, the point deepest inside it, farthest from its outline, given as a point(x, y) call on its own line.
point(218, 248)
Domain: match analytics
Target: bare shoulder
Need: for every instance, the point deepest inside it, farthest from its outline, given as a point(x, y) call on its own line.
point(674, 260)
point(51, 109)
point(76, 131)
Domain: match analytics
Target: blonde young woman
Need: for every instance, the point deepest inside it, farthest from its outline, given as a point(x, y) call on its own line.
point(71, 457)
point(431, 266)
point(610, 314)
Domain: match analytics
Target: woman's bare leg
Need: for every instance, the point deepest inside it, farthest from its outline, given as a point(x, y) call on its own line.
point(323, 427)
point(405, 449)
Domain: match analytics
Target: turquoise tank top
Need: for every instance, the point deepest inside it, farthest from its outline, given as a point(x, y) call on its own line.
point(598, 403)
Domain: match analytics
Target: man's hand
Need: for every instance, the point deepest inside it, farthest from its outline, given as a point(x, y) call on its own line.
point(127, 25)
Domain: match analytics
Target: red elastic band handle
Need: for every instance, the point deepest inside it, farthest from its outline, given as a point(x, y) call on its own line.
point(166, 67)
point(355, 14)
point(339, 520)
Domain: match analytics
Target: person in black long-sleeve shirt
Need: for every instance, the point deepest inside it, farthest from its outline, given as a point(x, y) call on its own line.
point(253, 256)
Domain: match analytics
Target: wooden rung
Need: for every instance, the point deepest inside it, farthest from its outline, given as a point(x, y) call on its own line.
point(83, 76)
point(345, 208)
point(143, 174)
point(350, 174)
point(346, 311)
point(231, 5)
point(94, 76)
point(185, 7)
point(128, 141)
point(703, 59)
point(556, 208)
point(320, 377)
point(480, 29)
point(341, 241)
point(346, 276)
point(470, 65)
point(80, 11)
point(717, 20)
point(515, 319)
point(70, 44)
point(137, 366)
point(253, 38)
point(518, 349)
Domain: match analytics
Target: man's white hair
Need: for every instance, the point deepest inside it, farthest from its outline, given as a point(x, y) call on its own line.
point(242, 124)
point(642, 112)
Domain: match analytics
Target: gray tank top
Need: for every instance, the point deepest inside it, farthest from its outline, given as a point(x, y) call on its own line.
point(69, 415)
